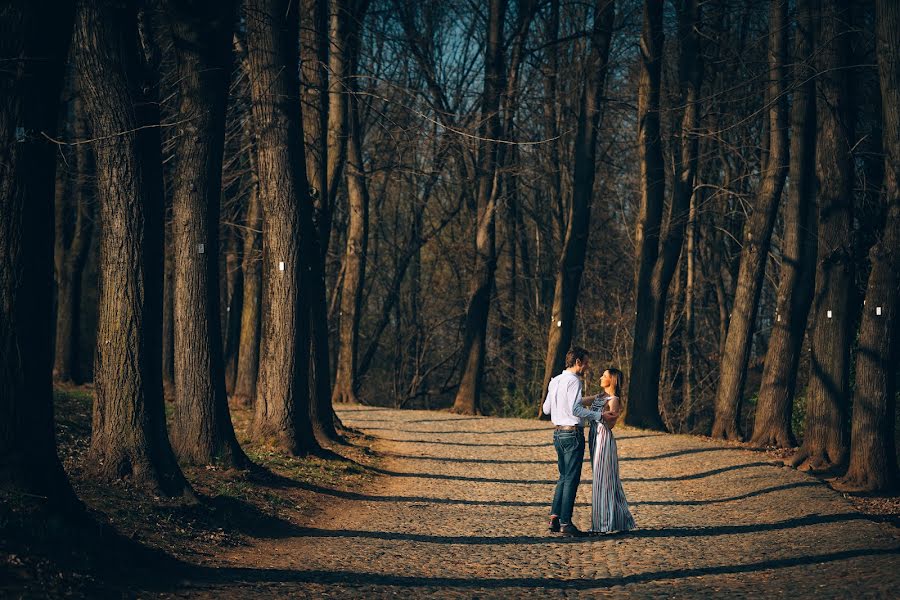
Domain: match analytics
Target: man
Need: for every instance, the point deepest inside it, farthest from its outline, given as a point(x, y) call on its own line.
point(567, 412)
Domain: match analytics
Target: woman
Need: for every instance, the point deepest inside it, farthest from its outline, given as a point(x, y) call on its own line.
point(609, 509)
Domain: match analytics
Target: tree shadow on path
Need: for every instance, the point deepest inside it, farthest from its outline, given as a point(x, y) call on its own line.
point(350, 578)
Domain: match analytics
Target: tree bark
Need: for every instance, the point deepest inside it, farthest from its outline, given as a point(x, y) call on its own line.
point(33, 51)
point(757, 237)
point(873, 456)
point(118, 80)
point(72, 243)
point(772, 425)
point(468, 395)
point(282, 398)
point(336, 138)
point(657, 265)
point(231, 308)
point(314, 60)
point(248, 347)
point(688, 405)
point(346, 383)
point(201, 430)
point(571, 263)
point(168, 324)
point(825, 441)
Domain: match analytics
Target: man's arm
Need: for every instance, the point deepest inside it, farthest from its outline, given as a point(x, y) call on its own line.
point(546, 407)
point(578, 408)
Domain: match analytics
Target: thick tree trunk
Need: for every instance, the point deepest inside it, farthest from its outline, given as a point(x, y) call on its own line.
point(873, 457)
point(656, 267)
point(571, 263)
point(248, 348)
point(642, 409)
point(772, 425)
point(201, 430)
point(346, 384)
point(468, 395)
point(128, 430)
point(282, 396)
point(73, 241)
point(33, 52)
point(757, 237)
point(825, 440)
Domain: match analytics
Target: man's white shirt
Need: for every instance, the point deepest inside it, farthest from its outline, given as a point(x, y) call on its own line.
point(563, 402)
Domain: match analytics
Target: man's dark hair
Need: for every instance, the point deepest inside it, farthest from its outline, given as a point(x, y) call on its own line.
point(575, 354)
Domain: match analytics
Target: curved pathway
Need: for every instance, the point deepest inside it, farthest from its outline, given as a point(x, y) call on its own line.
point(461, 512)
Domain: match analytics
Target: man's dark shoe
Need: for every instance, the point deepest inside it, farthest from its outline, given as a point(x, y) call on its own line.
point(554, 524)
point(571, 531)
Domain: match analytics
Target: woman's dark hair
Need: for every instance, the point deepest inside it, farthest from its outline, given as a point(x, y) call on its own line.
point(619, 381)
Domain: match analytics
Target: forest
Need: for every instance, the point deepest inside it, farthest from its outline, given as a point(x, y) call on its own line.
point(290, 206)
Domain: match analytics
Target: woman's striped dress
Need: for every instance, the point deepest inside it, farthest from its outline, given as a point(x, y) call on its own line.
point(609, 509)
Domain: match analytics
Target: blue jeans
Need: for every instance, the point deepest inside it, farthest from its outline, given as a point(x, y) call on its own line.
point(569, 456)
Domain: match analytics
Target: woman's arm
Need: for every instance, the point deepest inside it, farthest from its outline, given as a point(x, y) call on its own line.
point(614, 407)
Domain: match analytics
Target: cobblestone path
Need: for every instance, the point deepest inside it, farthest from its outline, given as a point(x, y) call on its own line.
point(461, 512)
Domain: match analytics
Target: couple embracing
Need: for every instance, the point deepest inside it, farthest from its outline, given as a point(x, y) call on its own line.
point(565, 405)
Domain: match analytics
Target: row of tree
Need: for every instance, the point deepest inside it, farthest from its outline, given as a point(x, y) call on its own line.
point(301, 204)
point(811, 142)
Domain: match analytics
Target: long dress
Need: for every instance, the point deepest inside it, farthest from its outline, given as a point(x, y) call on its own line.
point(609, 508)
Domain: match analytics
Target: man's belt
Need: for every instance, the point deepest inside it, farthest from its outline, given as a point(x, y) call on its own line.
point(567, 427)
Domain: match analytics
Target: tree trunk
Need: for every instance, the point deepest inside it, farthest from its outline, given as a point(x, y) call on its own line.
point(168, 324)
point(233, 298)
point(248, 348)
point(73, 241)
point(128, 430)
point(825, 441)
point(346, 384)
point(468, 396)
point(758, 235)
point(336, 137)
point(282, 396)
point(656, 267)
point(688, 406)
point(551, 118)
point(772, 426)
point(33, 50)
point(314, 62)
point(571, 263)
point(201, 430)
point(873, 457)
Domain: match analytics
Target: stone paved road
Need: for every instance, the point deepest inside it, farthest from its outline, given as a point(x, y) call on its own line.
point(461, 512)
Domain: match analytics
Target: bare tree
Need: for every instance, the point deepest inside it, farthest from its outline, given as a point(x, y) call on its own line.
point(346, 385)
point(658, 256)
point(571, 263)
point(201, 430)
point(824, 436)
point(468, 395)
point(74, 228)
point(873, 456)
point(757, 237)
point(282, 394)
point(118, 79)
point(772, 425)
point(248, 347)
point(33, 50)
